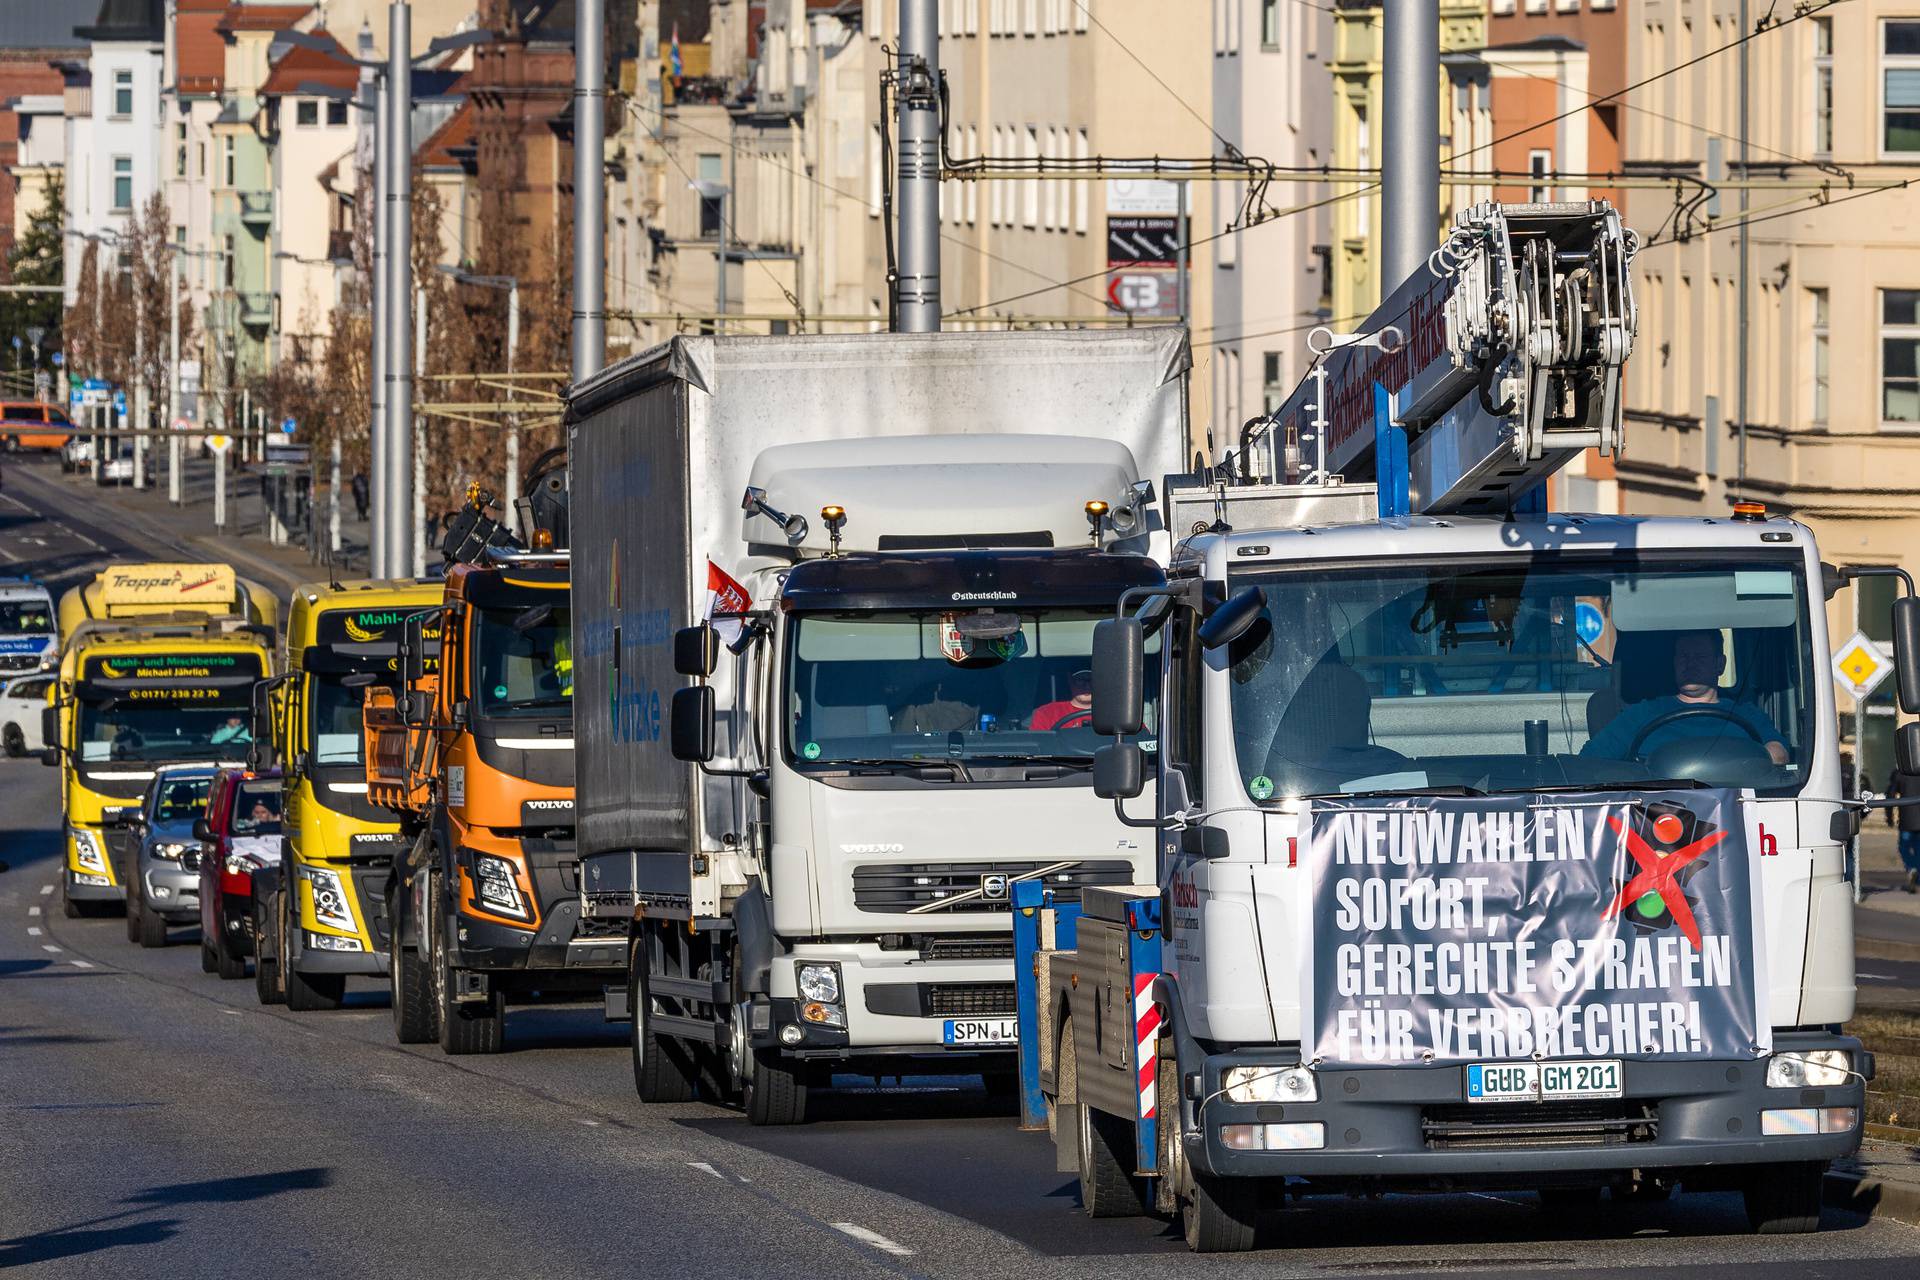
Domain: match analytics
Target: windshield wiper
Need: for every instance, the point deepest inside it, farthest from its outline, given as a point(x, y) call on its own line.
point(1067, 761)
point(1460, 792)
point(892, 764)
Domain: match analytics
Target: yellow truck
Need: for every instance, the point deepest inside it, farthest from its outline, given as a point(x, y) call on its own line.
point(157, 666)
point(322, 915)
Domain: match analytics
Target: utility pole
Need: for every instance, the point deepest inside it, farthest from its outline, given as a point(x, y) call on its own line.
point(589, 190)
point(917, 98)
point(513, 419)
point(139, 405)
point(1740, 391)
point(333, 501)
point(417, 552)
point(173, 379)
point(396, 493)
point(1410, 138)
point(377, 423)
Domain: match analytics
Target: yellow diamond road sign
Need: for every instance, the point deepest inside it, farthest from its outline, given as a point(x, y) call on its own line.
point(1861, 665)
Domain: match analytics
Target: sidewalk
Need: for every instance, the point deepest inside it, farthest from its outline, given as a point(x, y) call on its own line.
point(1881, 1181)
point(244, 543)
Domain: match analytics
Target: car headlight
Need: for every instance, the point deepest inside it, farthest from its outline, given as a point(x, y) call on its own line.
point(87, 851)
point(1809, 1069)
point(1270, 1084)
point(497, 885)
point(173, 850)
point(820, 982)
point(329, 899)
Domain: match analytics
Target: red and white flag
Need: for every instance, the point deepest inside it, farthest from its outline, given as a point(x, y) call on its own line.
point(724, 596)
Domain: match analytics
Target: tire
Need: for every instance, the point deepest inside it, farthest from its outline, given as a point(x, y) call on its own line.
point(306, 993)
point(209, 962)
point(152, 929)
point(266, 952)
point(1784, 1199)
point(664, 1068)
point(412, 988)
point(466, 1027)
point(228, 965)
point(776, 1091)
point(1108, 1186)
point(68, 907)
point(1220, 1214)
point(14, 740)
point(133, 907)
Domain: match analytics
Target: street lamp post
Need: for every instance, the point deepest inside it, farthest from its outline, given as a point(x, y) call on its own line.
point(512, 286)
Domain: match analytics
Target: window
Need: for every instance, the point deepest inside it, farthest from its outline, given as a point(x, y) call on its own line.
point(710, 205)
point(226, 160)
point(1050, 193)
point(972, 188)
point(200, 159)
point(1900, 355)
point(1539, 167)
point(1273, 392)
point(1270, 24)
point(1900, 86)
point(1502, 8)
point(996, 196)
point(1823, 85)
point(1032, 15)
point(306, 112)
point(1082, 150)
point(1080, 8)
point(180, 150)
point(336, 113)
point(1363, 148)
point(122, 183)
point(873, 172)
point(123, 93)
point(1032, 211)
point(1817, 305)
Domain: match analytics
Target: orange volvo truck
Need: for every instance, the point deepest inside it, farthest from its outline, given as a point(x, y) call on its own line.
point(476, 756)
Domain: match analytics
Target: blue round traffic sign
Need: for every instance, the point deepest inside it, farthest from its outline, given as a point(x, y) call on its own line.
point(59, 358)
point(1587, 622)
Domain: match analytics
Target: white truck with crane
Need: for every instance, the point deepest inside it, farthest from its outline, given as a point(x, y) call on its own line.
point(1496, 848)
point(879, 559)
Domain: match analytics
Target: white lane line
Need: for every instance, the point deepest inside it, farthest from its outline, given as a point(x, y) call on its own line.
point(873, 1238)
point(45, 889)
point(32, 932)
point(48, 946)
point(33, 911)
point(1876, 977)
point(82, 964)
point(75, 533)
point(231, 1012)
point(591, 1124)
point(12, 558)
point(704, 1167)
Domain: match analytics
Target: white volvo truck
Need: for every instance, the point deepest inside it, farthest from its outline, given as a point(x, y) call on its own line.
point(834, 600)
point(1496, 850)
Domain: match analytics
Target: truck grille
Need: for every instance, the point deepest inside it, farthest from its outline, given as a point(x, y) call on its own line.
point(942, 999)
point(1609, 1123)
point(902, 887)
point(967, 948)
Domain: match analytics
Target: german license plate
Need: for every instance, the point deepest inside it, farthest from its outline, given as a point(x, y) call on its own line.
point(1542, 1081)
point(981, 1031)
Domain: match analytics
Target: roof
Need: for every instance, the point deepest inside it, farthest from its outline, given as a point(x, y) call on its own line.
point(125, 20)
point(447, 146)
point(37, 26)
point(202, 61)
point(261, 17)
point(299, 66)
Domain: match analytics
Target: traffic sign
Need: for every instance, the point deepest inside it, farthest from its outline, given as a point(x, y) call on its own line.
point(59, 358)
point(183, 424)
point(1860, 665)
point(1588, 622)
point(219, 444)
point(287, 425)
point(119, 400)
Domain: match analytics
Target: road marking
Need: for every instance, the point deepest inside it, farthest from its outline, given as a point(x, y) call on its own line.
point(82, 964)
point(33, 911)
point(1877, 977)
point(75, 533)
point(704, 1167)
point(231, 1012)
point(591, 1124)
point(48, 946)
point(873, 1238)
point(33, 932)
point(9, 555)
point(45, 889)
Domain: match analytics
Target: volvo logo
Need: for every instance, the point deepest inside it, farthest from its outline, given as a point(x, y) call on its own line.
point(873, 848)
point(993, 888)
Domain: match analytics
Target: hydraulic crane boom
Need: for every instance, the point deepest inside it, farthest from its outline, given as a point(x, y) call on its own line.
point(1500, 360)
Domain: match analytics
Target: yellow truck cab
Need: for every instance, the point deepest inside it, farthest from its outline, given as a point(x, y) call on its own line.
point(157, 666)
point(321, 916)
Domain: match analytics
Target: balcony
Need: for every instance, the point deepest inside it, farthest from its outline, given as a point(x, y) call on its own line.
point(256, 209)
point(256, 310)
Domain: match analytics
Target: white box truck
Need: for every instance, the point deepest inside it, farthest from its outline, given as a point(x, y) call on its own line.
point(879, 559)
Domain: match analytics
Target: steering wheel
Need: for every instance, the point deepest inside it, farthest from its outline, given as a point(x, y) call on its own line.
point(1074, 720)
point(1707, 709)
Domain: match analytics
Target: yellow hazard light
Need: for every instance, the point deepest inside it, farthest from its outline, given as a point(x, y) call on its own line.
point(1749, 511)
point(543, 539)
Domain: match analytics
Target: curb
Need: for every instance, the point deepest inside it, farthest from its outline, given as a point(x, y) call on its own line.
point(1884, 949)
point(1873, 1197)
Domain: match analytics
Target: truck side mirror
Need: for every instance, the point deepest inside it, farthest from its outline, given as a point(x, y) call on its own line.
point(696, 650)
point(1906, 651)
point(413, 650)
point(690, 724)
point(1119, 770)
point(50, 756)
point(1231, 618)
point(1119, 677)
point(50, 728)
point(1906, 748)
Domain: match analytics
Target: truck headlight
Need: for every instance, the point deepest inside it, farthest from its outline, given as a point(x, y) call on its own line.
point(1270, 1084)
point(327, 942)
point(173, 850)
point(329, 899)
point(497, 887)
point(87, 851)
point(820, 982)
point(1809, 1069)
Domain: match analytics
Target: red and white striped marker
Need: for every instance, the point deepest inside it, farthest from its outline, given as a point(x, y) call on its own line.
point(1146, 1036)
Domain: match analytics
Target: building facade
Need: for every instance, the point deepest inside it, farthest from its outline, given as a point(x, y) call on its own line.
point(114, 124)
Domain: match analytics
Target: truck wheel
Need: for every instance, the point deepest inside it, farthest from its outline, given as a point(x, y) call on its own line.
point(776, 1089)
point(1784, 1199)
point(266, 953)
point(664, 1069)
point(412, 990)
point(306, 993)
point(68, 907)
point(465, 1026)
point(1220, 1214)
point(1108, 1185)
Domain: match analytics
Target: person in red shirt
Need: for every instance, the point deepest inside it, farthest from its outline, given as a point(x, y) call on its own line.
point(1069, 713)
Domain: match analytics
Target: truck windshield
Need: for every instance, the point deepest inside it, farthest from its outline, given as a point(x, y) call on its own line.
point(120, 729)
point(926, 684)
point(335, 716)
point(523, 661)
point(1594, 672)
point(25, 617)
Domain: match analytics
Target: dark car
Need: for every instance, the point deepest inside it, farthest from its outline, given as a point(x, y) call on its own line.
point(239, 835)
point(164, 889)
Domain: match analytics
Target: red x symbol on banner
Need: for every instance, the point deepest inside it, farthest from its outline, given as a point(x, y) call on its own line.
point(1657, 876)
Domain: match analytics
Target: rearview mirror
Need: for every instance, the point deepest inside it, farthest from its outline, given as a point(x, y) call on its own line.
point(986, 626)
point(690, 724)
point(1906, 748)
point(1119, 771)
point(358, 680)
point(1906, 651)
point(201, 831)
point(413, 649)
point(1119, 678)
point(50, 726)
point(1231, 618)
point(50, 756)
point(696, 650)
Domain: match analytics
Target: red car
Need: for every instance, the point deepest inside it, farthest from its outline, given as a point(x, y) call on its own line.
point(239, 835)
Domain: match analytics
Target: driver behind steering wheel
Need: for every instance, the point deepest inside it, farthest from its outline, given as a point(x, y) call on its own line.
point(1069, 713)
point(1698, 660)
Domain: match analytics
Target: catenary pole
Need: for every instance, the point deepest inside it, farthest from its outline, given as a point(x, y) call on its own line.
point(1410, 139)
point(917, 99)
point(377, 560)
point(399, 479)
point(173, 378)
point(589, 190)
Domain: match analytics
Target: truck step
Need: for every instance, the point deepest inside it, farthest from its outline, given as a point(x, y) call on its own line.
point(697, 1029)
point(706, 989)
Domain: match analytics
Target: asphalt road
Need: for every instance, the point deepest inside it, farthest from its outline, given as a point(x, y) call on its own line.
point(157, 1121)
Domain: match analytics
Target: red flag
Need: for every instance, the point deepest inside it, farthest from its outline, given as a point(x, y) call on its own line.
point(724, 596)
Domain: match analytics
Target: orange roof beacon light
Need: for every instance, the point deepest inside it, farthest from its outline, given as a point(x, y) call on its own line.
point(542, 539)
point(834, 516)
point(1096, 512)
point(1750, 511)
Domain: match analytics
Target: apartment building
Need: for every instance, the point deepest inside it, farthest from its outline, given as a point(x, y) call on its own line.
point(32, 39)
point(114, 134)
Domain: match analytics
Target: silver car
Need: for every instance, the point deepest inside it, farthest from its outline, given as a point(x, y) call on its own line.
point(164, 889)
